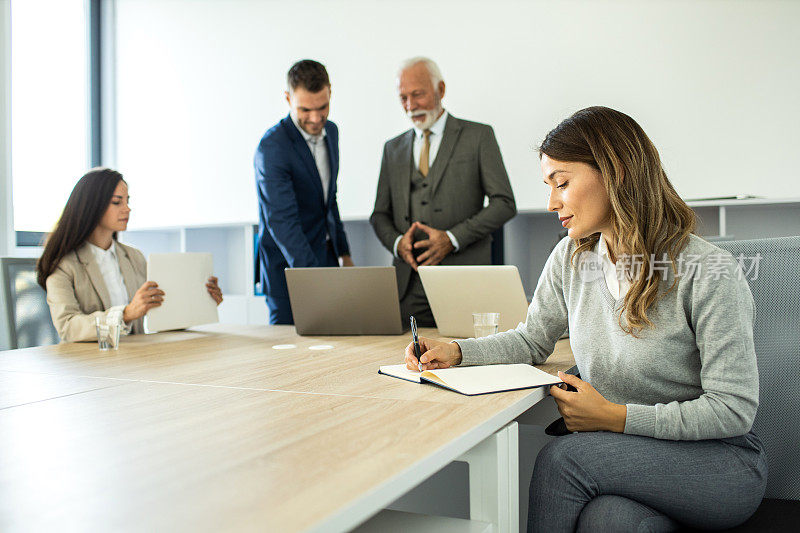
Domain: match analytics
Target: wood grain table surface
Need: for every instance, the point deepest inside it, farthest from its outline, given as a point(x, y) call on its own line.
point(213, 428)
point(245, 356)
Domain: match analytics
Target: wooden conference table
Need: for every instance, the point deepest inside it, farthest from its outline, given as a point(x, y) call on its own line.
point(215, 428)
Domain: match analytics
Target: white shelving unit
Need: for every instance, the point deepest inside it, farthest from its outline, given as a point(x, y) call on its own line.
point(231, 246)
point(532, 234)
point(529, 238)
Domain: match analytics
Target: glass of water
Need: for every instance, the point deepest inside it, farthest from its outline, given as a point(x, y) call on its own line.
point(107, 332)
point(485, 324)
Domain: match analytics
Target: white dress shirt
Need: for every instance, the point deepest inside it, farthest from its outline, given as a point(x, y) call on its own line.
point(108, 261)
point(109, 267)
point(319, 150)
point(617, 282)
point(437, 132)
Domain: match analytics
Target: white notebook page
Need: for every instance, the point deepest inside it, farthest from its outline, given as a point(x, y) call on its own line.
point(478, 379)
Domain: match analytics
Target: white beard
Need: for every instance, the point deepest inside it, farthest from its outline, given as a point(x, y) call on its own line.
point(430, 117)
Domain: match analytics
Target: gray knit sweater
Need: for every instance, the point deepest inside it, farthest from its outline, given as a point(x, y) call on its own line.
point(693, 376)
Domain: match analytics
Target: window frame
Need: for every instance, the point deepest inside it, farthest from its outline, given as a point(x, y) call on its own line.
point(100, 124)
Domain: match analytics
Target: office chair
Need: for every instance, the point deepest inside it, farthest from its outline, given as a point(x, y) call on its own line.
point(25, 319)
point(776, 335)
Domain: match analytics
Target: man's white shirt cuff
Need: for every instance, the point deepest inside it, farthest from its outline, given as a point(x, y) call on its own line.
point(452, 239)
point(394, 248)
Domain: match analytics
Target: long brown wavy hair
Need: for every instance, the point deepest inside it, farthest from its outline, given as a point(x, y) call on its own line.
point(649, 219)
point(85, 208)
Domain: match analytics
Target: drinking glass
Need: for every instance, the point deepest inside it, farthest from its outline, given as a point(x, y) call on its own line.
point(108, 328)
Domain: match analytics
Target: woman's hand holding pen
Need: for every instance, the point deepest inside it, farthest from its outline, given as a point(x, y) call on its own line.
point(435, 354)
point(585, 409)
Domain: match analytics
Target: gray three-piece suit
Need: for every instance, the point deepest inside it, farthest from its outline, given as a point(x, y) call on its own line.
point(468, 167)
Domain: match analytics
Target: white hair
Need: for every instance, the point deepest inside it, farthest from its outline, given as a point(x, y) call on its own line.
point(433, 68)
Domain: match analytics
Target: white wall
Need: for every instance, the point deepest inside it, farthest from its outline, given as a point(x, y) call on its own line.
point(50, 110)
point(6, 224)
point(714, 83)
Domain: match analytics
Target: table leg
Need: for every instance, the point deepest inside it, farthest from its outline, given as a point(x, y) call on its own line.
point(494, 479)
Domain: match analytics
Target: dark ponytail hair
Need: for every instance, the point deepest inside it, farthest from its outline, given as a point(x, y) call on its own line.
point(85, 208)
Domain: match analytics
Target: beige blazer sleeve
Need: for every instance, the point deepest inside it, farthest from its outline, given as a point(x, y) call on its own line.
point(76, 291)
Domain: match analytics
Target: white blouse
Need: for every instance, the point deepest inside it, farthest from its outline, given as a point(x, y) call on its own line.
point(108, 262)
point(617, 282)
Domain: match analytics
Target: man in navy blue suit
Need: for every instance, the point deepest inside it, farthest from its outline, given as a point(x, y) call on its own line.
point(296, 165)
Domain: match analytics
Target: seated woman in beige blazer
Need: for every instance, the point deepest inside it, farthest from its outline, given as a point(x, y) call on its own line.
point(84, 269)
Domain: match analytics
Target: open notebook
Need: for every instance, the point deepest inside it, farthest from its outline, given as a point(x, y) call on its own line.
point(472, 380)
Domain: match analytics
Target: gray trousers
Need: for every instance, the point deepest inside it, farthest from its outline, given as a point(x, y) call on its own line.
point(611, 482)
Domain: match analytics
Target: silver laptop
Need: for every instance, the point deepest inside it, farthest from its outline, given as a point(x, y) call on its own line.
point(455, 292)
point(344, 301)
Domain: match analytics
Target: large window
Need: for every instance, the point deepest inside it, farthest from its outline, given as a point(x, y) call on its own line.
point(49, 107)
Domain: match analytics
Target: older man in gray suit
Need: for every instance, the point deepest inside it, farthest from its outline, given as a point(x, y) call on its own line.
point(429, 208)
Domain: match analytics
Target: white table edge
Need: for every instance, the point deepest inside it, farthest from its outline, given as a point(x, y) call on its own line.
point(372, 502)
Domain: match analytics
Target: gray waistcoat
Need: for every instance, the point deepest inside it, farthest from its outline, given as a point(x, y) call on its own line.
point(419, 202)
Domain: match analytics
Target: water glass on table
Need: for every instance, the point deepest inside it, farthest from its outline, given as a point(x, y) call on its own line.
point(108, 328)
point(485, 324)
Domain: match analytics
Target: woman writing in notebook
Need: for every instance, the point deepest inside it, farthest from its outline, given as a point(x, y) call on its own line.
point(84, 269)
point(661, 327)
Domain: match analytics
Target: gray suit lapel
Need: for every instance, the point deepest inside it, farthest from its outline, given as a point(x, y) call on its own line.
point(86, 257)
point(452, 129)
point(405, 162)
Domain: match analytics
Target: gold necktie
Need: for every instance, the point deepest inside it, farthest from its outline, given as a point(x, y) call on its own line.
point(423, 156)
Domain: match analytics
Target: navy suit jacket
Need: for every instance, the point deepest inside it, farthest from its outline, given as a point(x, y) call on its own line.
point(293, 215)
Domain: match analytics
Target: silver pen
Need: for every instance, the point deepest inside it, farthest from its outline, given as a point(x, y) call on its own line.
point(417, 351)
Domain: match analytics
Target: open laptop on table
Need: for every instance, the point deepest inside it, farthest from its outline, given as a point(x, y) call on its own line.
point(455, 292)
point(344, 301)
